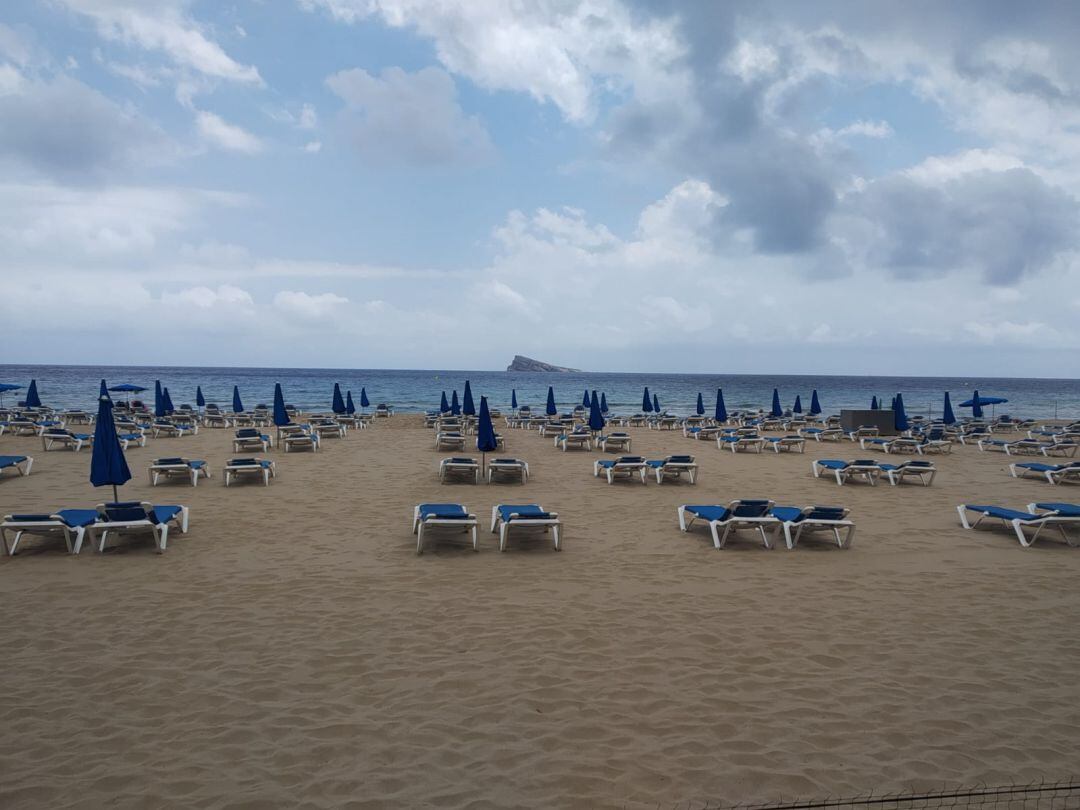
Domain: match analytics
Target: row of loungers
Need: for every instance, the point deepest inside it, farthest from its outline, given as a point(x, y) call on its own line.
point(193, 469)
point(870, 471)
point(107, 518)
point(767, 520)
point(498, 469)
point(20, 465)
point(1030, 447)
point(630, 467)
point(456, 518)
point(1038, 516)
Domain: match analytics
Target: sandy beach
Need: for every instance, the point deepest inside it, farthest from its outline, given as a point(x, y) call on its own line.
point(293, 650)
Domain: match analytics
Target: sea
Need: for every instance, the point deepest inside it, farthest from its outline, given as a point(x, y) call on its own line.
point(420, 390)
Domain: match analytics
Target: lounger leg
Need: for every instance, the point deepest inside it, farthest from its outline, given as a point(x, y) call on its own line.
point(420, 539)
point(494, 517)
point(1020, 534)
point(80, 533)
point(161, 536)
point(558, 540)
point(4, 542)
point(963, 517)
point(787, 536)
point(475, 541)
point(503, 530)
point(682, 518)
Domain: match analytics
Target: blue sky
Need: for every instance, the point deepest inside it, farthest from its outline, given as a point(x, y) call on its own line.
point(836, 187)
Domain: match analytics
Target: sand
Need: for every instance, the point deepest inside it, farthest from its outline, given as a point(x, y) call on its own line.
point(293, 650)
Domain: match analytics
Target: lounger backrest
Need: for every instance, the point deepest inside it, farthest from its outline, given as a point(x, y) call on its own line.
point(680, 459)
point(630, 460)
point(169, 461)
point(751, 508)
point(242, 462)
point(247, 433)
point(825, 513)
point(125, 514)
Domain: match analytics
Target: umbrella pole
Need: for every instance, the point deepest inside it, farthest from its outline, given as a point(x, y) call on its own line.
point(115, 496)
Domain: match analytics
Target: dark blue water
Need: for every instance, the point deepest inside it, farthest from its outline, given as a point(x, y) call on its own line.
point(412, 390)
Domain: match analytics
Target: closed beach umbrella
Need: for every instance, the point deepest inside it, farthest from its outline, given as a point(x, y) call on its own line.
point(513, 398)
point(603, 403)
point(364, 401)
point(166, 401)
point(655, 403)
point(798, 404)
point(444, 406)
point(467, 406)
point(32, 398)
point(550, 408)
point(874, 404)
point(159, 402)
point(350, 408)
point(585, 399)
point(721, 409)
point(646, 401)
point(281, 416)
point(237, 405)
point(103, 391)
point(776, 409)
point(455, 406)
point(200, 400)
point(485, 433)
point(596, 417)
point(7, 387)
point(976, 406)
point(947, 415)
point(815, 406)
point(338, 405)
point(700, 405)
point(107, 463)
point(901, 414)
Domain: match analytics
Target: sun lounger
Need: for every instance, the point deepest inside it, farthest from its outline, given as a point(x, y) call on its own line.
point(507, 468)
point(674, 467)
point(192, 469)
point(249, 467)
point(614, 441)
point(427, 516)
point(128, 439)
point(65, 438)
point(302, 440)
point(790, 444)
point(21, 426)
point(621, 467)
point(329, 429)
point(704, 432)
point(576, 439)
point(737, 443)
point(1060, 449)
point(383, 410)
point(923, 470)
point(739, 515)
point(866, 470)
point(1054, 473)
point(797, 522)
point(71, 523)
point(505, 516)
point(450, 440)
point(135, 516)
point(251, 439)
point(1020, 520)
point(459, 467)
point(863, 432)
point(830, 434)
point(1063, 509)
point(20, 464)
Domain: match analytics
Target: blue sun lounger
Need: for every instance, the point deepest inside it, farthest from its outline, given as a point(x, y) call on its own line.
point(137, 516)
point(505, 516)
point(249, 467)
point(71, 523)
point(251, 439)
point(1054, 473)
point(866, 470)
point(20, 464)
point(621, 467)
point(427, 516)
point(1021, 520)
point(190, 468)
point(923, 470)
point(674, 467)
point(796, 522)
point(739, 515)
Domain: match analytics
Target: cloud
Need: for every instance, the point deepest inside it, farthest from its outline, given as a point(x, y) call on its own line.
point(164, 26)
point(312, 147)
point(221, 134)
point(305, 305)
point(225, 296)
point(63, 128)
point(410, 118)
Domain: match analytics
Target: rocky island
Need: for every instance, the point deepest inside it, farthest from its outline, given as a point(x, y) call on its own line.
point(528, 364)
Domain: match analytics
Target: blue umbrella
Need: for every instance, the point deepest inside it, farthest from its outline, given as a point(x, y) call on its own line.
point(721, 409)
point(486, 441)
point(281, 416)
point(467, 406)
point(901, 415)
point(104, 392)
point(798, 404)
point(776, 409)
point(655, 403)
point(444, 406)
point(983, 401)
point(874, 404)
point(596, 417)
point(550, 409)
point(455, 407)
point(166, 400)
point(200, 400)
point(7, 387)
point(32, 398)
point(338, 405)
point(585, 401)
point(350, 409)
point(159, 402)
point(513, 398)
point(364, 401)
point(815, 406)
point(976, 406)
point(237, 405)
point(646, 401)
point(127, 388)
point(948, 417)
point(700, 405)
point(603, 403)
point(107, 462)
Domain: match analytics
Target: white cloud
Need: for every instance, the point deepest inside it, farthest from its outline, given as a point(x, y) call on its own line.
point(305, 305)
point(312, 147)
point(224, 296)
point(223, 135)
point(308, 119)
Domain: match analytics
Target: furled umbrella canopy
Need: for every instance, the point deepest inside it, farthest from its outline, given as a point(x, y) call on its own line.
point(596, 417)
point(948, 417)
point(486, 441)
point(603, 403)
point(656, 403)
point(159, 400)
point(108, 467)
point(455, 406)
point(646, 401)
point(32, 398)
point(720, 414)
point(103, 391)
point(200, 400)
point(700, 410)
point(874, 404)
point(166, 400)
point(350, 408)
point(513, 398)
point(815, 404)
point(468, 407)
point(237, 405)
point(338, 404)
point(901, 414)
point(776, 409)
point(281, 416)
point(364, 401)
point(550, 408)
point(585, 399)
point(444, 406)
point(797, 408)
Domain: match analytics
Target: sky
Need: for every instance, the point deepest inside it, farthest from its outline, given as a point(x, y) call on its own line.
point(618, 185)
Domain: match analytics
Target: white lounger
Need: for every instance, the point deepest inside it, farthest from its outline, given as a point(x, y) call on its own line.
point(69, 440)
point(20, 464)
point(923, 470)
point(739, 515)
point(133, 516)
point(674, 467)
point(1020, 520)
point(189, 468)
point(71, 523)
point(860, 469)
point(450, 440)
point(621, 467)
point(459, 467)
point(513, 468)
point(427, 516)
point(249, 467)
point(526, 516)
point(1054, 473)
point(796, 522)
